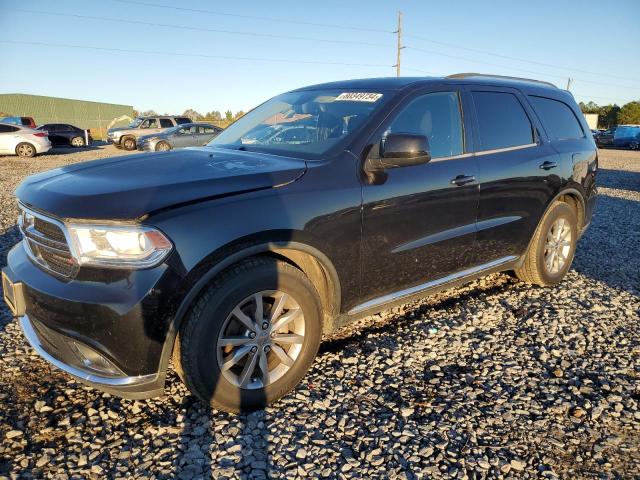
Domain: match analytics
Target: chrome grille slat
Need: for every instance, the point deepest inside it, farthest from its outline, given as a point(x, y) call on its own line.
point(46, 243)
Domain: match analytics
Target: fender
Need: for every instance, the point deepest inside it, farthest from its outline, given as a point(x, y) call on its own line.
point(574, 192)
point(234, 258)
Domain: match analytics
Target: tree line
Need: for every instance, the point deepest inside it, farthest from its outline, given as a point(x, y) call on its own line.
point(612, 115)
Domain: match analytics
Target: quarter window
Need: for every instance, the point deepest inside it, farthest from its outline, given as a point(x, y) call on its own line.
point(558, 118)
point(502, 121)
point(436, 116)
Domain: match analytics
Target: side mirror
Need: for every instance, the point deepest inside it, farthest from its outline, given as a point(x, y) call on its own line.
point(403, 150)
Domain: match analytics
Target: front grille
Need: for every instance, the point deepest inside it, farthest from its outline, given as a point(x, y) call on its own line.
point(46, 244)
point(49, 230)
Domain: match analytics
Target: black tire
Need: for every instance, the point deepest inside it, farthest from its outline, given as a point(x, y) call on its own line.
point(195, 352)
point(25, 150)
point(163, 147)
point(128, 143)
point(77, 142)
point(534, 269)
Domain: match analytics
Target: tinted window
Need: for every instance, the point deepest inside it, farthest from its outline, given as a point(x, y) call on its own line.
point(436, 116)
point(558, 118)
point(181, 120)
point(166, 123)
point(502, 121)
point(7, 128)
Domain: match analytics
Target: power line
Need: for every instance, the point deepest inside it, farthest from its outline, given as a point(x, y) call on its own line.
point(196, 55)
point(433, 52)
point(253, 17)
point(507, 57)
point(204, 29)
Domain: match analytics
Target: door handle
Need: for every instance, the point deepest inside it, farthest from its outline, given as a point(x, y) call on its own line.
point(463, 180)
point(548, 165)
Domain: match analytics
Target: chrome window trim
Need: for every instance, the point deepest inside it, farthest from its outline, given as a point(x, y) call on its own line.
point(31, 336)
point(506, 149)
point(408, 292)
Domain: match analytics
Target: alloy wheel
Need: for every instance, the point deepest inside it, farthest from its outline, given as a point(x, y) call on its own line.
point(77, 142)
point(25, 150)
point(261, 339)
point(557, 246)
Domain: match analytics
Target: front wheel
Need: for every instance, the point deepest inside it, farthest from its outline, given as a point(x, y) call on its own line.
point(163, 147)
point(552, 248)
point(251, 336)
point(128, 143)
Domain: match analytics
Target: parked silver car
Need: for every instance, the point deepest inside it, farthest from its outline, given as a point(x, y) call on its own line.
point(22, 141)
point(186, 135)
point(127, 137)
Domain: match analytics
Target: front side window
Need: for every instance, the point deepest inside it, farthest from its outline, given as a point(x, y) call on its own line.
point(502, 121)
point(322, 119)
point(557, 118)
point(166, 123)
point(436, 116)
point(150, 123)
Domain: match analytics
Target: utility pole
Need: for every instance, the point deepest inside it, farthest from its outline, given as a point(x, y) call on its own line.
point(569, 82)
point(400, 47)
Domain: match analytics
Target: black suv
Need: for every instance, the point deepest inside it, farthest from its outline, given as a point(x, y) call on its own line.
point(233, 259)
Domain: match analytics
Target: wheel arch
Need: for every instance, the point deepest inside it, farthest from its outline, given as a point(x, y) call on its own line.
point(575, 199)
point(307, 258)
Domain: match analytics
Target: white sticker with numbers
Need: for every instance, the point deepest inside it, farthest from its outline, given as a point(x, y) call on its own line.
point(358, 97)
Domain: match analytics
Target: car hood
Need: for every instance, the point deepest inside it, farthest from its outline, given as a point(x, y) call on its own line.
point(129, 187)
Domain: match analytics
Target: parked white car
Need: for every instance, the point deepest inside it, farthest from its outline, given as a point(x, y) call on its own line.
point(22, 141)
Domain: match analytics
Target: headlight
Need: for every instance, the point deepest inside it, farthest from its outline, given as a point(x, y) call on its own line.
point(118, 246)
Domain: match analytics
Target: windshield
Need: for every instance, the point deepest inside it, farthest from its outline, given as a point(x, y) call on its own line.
point(307, 123)
point(136, 121)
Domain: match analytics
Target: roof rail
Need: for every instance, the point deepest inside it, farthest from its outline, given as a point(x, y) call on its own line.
point(467, 75)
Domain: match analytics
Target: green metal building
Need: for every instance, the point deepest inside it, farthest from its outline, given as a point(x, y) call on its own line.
point(96, 116)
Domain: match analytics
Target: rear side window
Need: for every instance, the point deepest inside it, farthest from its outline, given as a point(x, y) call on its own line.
point(502, 121)
point(166, 123)
point(7, 128)
point(558, 118)
point(436, 116)
point(181, 120)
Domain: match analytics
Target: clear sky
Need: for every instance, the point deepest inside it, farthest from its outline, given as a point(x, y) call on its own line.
point(596, 43)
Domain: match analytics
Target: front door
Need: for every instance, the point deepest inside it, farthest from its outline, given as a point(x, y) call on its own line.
point(419, 221)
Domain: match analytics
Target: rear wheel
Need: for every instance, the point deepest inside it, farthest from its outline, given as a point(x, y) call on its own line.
point(128, 143)
point(251, 336)
point(552, 248)
point(25, 150)
point(77, 142)
point(163, 147)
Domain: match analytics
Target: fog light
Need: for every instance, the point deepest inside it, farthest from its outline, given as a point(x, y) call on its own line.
point(93, 360)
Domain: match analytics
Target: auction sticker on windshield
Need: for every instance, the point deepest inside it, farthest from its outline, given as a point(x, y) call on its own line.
point(358, 97)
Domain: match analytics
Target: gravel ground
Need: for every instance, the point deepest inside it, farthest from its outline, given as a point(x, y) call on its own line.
point(495, 379)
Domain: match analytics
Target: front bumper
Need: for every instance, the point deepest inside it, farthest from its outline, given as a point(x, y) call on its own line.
point(113, 140)
point(57, 350)
point(103, 328)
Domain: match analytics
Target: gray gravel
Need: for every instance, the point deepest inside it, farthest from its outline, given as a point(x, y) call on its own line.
point(495, 379)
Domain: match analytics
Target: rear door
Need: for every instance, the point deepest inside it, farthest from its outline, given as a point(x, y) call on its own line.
point(518, 172)
point(418, 223)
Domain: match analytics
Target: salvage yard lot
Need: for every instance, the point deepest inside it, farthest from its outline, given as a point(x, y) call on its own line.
point(495, 378)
